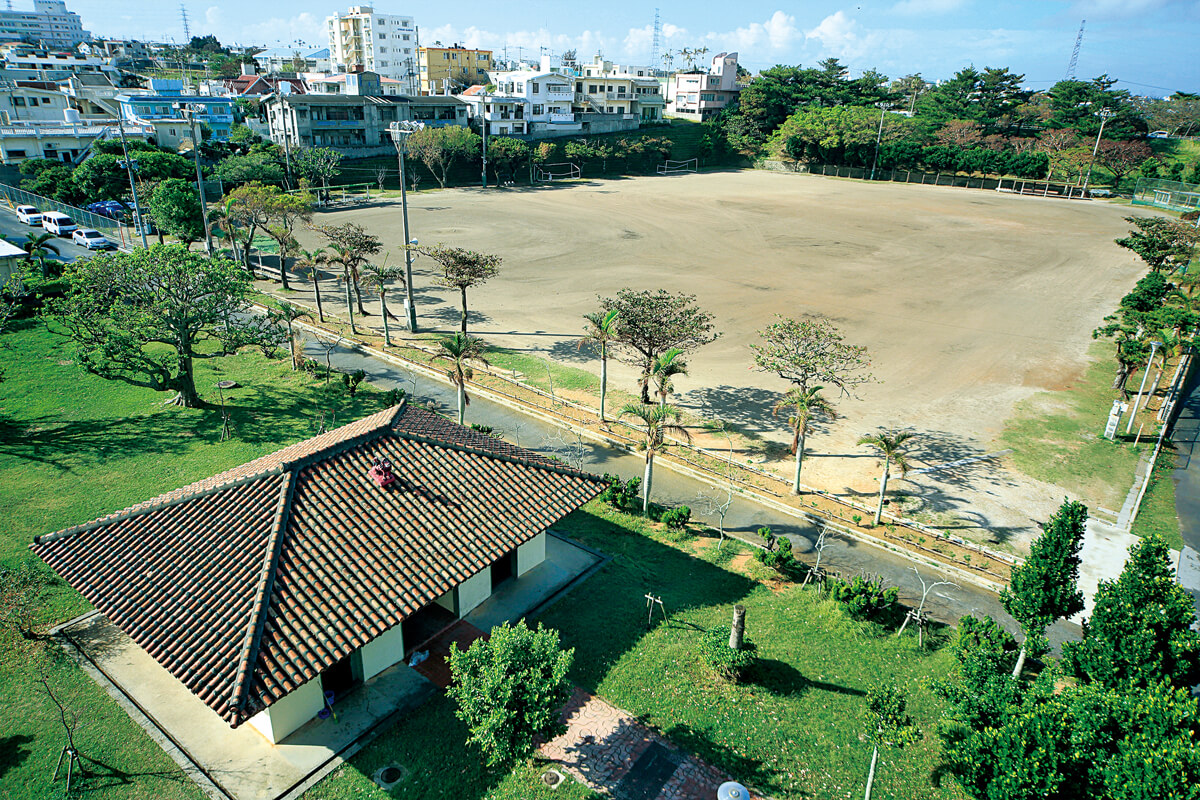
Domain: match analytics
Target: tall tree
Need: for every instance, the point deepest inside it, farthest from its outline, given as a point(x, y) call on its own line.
point(665, 367)
point(506, 155)
point(288, 314)
point(309, 263)
point(810, 351)
point(284, 212)
point(440, 149)
point(377, 277)
point(145, 317)
point(892, 449)
point(600, 332)
point(175, 206)
point(319, 165)
point(510, 689)
point(888, 724)
point(656, 422)
point(352, 247)
point(1046, 587)
point(804, 405)
point(653, 322)
point(462, 269)
point(248, 207)
point(1121, 158)
point(1165, 244)
point(1140, 633)
point(458, 351)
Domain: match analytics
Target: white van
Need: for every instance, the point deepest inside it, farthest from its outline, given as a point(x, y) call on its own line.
point(58, 223)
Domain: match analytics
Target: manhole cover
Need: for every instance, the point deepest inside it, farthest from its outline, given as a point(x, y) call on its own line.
point(389, 776)
point(553, 778)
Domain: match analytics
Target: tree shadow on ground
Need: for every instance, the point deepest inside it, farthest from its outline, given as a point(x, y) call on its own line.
point(568, 350)
point(782, 678)
point(448, 318)
point(102, 775)
point(748, 408)
point(13, 751)
point(700, 743)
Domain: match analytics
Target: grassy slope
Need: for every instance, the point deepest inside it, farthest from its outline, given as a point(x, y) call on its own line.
point(73, 447)
point(1157, 514)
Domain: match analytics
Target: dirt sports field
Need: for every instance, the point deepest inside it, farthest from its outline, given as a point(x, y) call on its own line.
point(969, 301)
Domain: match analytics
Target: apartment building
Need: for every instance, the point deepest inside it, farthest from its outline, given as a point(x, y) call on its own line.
point(386, 44)
point(354, 122)
point(535, 103)
point(700, 95)
point(159, 109)
point(50, 24)
point(445, 70)
point(65, 139)
point(283, 59)
point(634, 93)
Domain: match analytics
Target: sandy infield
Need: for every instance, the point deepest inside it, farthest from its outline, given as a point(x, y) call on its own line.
point(968, 300)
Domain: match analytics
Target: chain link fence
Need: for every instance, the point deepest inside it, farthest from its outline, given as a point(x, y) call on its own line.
point(1025, 186)
point(120, 235)
point(1171, 195)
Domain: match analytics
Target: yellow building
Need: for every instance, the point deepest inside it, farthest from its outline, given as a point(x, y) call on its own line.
point(452, 69)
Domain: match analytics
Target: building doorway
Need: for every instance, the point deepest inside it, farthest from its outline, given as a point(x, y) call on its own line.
point(503, 569)
point(342, 677)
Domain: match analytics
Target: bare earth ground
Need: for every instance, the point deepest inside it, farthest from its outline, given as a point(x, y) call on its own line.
point(969, 301)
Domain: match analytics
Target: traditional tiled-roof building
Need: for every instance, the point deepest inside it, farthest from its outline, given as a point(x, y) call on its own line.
point(320, 565)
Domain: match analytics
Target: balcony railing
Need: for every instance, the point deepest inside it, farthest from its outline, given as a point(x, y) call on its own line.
point(561, 117)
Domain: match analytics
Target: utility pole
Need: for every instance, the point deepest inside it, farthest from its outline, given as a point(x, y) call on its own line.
point(130, 166)
point(1104, 114)
point(878, 137)
point(484, 117)
point(287, 146)
point(400, 132)
point(190, 115)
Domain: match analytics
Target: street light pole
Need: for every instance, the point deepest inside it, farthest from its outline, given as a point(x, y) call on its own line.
point(129, 168)
point(878, 137)
point(400, 132)
point(190, 115)
point(484, 117)
point(1104, 115)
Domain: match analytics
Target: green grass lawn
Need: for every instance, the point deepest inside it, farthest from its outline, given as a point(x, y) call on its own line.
point(1157, 514)
point(1057, 437)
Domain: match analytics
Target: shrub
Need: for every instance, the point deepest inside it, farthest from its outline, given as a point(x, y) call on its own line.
point(769, 537)
point(974, 633)
point(780, 557)
point(351, 380)
point(621, 495)
point(728, 663)
point(865, 598)
point(488, 430)
point(393, 397)
point(856, 518)
point(677, 518)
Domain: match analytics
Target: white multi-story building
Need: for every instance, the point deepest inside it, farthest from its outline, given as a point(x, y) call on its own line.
point(49, 24)
point(700, 95)
point(607, 88)
point(535, 103)
point(362, 41)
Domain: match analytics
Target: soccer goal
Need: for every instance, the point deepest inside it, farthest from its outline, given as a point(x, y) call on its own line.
point(670, 167)
point(544, 173)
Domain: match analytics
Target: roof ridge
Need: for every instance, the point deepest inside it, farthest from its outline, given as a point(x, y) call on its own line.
point(248, 657)
point(342, 445)
point(466, 448)
point(159, 503)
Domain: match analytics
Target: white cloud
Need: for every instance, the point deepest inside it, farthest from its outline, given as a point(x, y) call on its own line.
point(302, 30)
point(927, 7)
point(213, 18)
point(525, 44)
point(777, 33)
point(840, 36)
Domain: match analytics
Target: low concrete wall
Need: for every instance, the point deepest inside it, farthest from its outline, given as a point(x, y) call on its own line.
point(474, 590)
point(532, 553)
point(379, 654)
point(291, 711)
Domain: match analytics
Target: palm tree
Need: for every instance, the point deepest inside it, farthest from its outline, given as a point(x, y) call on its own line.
point(378, 276)
point(459, 350)
point(309, 263)
point(804, 405)
point(601, 330)
point(666, 366)
point(657, 421)
point(347, 258)
point(287, 313)
point(37, 246)
point(891, 447)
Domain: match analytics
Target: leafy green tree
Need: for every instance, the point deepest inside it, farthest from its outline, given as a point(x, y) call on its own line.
point(888, 724)
point(1121, 158)
point(1140, 632)
point(50, 178)
point(653, 322)
point(260, 167)
point(145, 317)
point(891, 448)
point(837, 135)
point(804, 405)
point(378, 277)
point(505, 156)
point(351, 248)
point(656, 422)
point(440, 149)
point(1046, 587)
point(248, 209)
point(102, 177)
point(810, 351)
point(600, 333)
point(459, 351)
point(319, 164)
point(1165, 244)
point(284, 212)
point(510, 689)
point(991, 98)
point(462, 269)
point(38, 247)
point(175, 206)
point(1074, 104)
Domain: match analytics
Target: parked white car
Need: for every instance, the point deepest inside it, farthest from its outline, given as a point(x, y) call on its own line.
point(29, 215)
point(1158, 135)
point(91, 239)
point(58, 223)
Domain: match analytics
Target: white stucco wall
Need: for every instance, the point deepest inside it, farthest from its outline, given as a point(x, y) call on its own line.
point(290, 712)
point(474, 590)
point(446, 601)
point(532, 553)
point(379, 654)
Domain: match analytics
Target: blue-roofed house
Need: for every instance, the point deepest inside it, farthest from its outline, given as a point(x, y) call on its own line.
point(161, 108)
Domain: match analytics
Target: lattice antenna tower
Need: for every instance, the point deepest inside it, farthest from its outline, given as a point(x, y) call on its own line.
point(656, 43)
point(187, 31)
point(1075, 53)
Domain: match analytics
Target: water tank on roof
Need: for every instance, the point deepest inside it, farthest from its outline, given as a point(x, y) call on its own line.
point(70, 115)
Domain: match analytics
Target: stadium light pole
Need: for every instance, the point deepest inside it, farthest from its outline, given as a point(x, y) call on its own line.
point(400, 132)
point(878, 137)
point(1104, 114)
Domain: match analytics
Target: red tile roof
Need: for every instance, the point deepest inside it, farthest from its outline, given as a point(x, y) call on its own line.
point(249, 583)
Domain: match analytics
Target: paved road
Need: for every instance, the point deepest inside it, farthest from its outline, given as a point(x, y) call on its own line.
point(16, 232)
point(1186, 436)
point(945, 603)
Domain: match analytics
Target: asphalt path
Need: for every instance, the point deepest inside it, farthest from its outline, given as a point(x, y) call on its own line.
point(849, 557)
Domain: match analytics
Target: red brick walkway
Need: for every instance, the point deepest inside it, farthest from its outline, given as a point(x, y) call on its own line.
point(436, 668)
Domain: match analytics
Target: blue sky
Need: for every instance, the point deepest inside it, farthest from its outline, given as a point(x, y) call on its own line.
point(1151, 45)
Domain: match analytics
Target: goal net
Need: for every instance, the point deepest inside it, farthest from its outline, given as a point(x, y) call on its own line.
point(670, 167)
point(544, 173)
